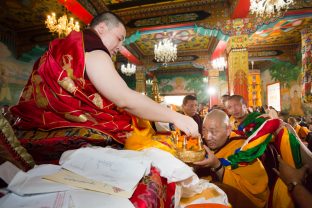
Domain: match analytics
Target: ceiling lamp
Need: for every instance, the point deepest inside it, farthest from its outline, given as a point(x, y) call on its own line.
point(62, 26)
point(219, 63)
point(269, 8)
point(165, 51)
point(129, 69)
point(149, 82)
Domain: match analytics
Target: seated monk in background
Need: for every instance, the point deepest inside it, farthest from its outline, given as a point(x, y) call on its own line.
point(75, 96)
point(246, 186)
point(301, 131)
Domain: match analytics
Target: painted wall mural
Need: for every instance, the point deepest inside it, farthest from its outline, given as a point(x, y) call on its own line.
point(290, 77)
point(13, 76)
point(182, 85)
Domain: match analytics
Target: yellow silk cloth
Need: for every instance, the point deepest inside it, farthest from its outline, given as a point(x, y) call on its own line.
point(281, 197)
point(207, 194)
point(143, 136)
point(234, 123)
point(251, 180)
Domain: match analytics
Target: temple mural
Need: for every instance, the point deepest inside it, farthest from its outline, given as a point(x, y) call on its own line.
point(182, 85)
point(289, 76)
point(13, 76)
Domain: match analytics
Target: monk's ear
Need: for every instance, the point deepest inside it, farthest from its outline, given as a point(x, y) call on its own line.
point(102, 28)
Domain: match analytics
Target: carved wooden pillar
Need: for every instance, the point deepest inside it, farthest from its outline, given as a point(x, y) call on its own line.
point(238, 65)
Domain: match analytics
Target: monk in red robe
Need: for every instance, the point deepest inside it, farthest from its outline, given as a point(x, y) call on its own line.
point(75, 84)
point(75, 96)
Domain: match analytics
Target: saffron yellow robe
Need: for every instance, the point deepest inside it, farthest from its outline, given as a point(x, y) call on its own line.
point(302, 132)
point(251, 180)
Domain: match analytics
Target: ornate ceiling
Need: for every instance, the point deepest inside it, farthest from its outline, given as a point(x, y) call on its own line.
point(282, 32)
point(199, 27)
point(186, 40)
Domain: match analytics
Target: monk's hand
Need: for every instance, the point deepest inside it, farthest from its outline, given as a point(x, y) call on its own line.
point(210, 160)
point(266, 116)
point(187, 125)
point(280, 127)
point(289, 174)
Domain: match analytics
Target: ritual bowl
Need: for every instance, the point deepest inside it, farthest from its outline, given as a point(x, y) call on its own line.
point(189, 156)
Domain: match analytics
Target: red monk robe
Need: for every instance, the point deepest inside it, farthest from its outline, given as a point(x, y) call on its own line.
point(59, 97)
point(59, 94)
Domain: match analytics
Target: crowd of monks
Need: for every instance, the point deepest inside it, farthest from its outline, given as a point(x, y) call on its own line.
point(75, 97)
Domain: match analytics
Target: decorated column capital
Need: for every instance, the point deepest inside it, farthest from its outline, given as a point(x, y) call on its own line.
point(237, 43)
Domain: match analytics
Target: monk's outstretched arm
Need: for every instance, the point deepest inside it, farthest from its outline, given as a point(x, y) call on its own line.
point(102, 73)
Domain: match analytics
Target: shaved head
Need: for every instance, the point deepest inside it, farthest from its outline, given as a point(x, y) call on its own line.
point(110, 19)
point(216, 129)
point(219, 116)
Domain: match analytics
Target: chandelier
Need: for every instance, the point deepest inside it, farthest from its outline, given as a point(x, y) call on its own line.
point(129, 69)
point(165, 51)
point(62, 26)
point(219, 63)
point(149, 82)
point(269, 8)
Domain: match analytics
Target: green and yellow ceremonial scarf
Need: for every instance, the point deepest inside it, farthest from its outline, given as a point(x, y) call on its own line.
point(259, 132)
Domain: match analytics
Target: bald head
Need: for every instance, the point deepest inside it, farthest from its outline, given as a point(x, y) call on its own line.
point(292, 121)
point(219, 116)
point(216, 129)
point(110, 19)
point(111, 31)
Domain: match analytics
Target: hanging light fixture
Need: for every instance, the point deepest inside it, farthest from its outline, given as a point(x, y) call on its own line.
point(269, 8)
point(219, 63)
point(62, 26)
point(129, 69)
point(149, 82)
point(165, 51)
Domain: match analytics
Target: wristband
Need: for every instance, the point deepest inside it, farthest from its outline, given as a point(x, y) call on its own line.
point(291, 186)
point(217, 168)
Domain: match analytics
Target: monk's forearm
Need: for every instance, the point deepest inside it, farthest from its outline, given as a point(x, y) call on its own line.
point(144, 107)
point(301, 196)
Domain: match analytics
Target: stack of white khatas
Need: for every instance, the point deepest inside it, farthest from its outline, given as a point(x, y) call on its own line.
point(101, 177)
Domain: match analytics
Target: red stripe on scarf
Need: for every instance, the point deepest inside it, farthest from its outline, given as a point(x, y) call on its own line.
point(269, 127)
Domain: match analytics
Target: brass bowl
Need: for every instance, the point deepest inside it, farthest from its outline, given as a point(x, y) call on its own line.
point(189, 156)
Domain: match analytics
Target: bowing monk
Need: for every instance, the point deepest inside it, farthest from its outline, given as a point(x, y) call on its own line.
point(75, 94)
point(250, 181)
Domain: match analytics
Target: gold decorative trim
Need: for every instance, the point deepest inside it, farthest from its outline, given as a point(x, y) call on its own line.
point(14, 143)
point(97, 100)
point(81, 118)
point(68, 84)
point(67, 66)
